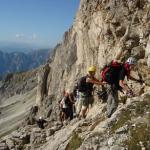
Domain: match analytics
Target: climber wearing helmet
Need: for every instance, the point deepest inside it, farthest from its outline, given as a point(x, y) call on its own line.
point(85, 87)
point(41, 122)
point(127, 67)
point(114, 75)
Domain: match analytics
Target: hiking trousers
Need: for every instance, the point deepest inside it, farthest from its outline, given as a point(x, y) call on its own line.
point(112, 100)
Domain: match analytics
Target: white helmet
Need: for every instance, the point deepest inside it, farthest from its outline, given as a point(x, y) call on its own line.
point(131, 61)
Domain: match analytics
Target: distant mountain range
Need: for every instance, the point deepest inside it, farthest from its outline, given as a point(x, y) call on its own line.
point(20, 61)
point(18, 47)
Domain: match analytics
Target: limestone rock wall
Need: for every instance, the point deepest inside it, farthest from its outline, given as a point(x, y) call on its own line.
point(100, 30)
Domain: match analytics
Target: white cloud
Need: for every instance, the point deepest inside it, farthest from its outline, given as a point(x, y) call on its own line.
point(19, 35)
point(25, 37)
point(34, 36)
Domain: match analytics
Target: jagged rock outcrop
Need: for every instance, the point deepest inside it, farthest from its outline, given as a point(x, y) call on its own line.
point(100, 30)
point(42, 86)
point(128, 128)
point(18, 83)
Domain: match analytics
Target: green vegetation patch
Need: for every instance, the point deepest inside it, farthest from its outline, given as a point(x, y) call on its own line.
point(123, 118)
point(142, 107)
point(139, 134)
point(94, 134)
point(75, 142)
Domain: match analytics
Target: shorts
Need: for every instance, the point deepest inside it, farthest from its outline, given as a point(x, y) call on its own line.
point(86, 100)
point(65, 110)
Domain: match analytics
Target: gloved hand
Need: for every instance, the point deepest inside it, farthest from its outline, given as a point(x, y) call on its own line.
point(140, 81)
point(130, 93)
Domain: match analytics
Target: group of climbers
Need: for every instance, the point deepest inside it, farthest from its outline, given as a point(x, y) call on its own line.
point(113, 79)
point(80, 100)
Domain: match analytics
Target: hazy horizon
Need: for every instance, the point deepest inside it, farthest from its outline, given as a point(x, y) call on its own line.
point(20, 47)
point(37, 22)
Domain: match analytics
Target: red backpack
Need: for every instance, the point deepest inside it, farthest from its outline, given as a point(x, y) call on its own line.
point(110, 72)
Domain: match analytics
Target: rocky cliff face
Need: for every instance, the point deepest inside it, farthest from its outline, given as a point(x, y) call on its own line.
point(100, 30)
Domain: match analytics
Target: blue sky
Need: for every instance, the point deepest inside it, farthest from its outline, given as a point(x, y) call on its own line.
point(41, 22)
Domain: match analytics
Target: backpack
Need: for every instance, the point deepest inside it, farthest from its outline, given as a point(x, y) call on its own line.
point(82, 84)
point(67, 100)
point(109, 72)
point(75, 89)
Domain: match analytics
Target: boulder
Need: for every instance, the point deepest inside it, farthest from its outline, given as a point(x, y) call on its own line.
point(3, 146)
point(16, 134)
point(122, 130)
point(10, 143)
point(138, 52)
point(37, 137)
point(50, 132)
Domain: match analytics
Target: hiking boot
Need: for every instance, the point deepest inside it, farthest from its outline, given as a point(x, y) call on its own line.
point(124, 101)
point(74, 115)
point(108, 116)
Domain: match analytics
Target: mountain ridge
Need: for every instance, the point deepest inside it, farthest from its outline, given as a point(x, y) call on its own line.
point(19, 61)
